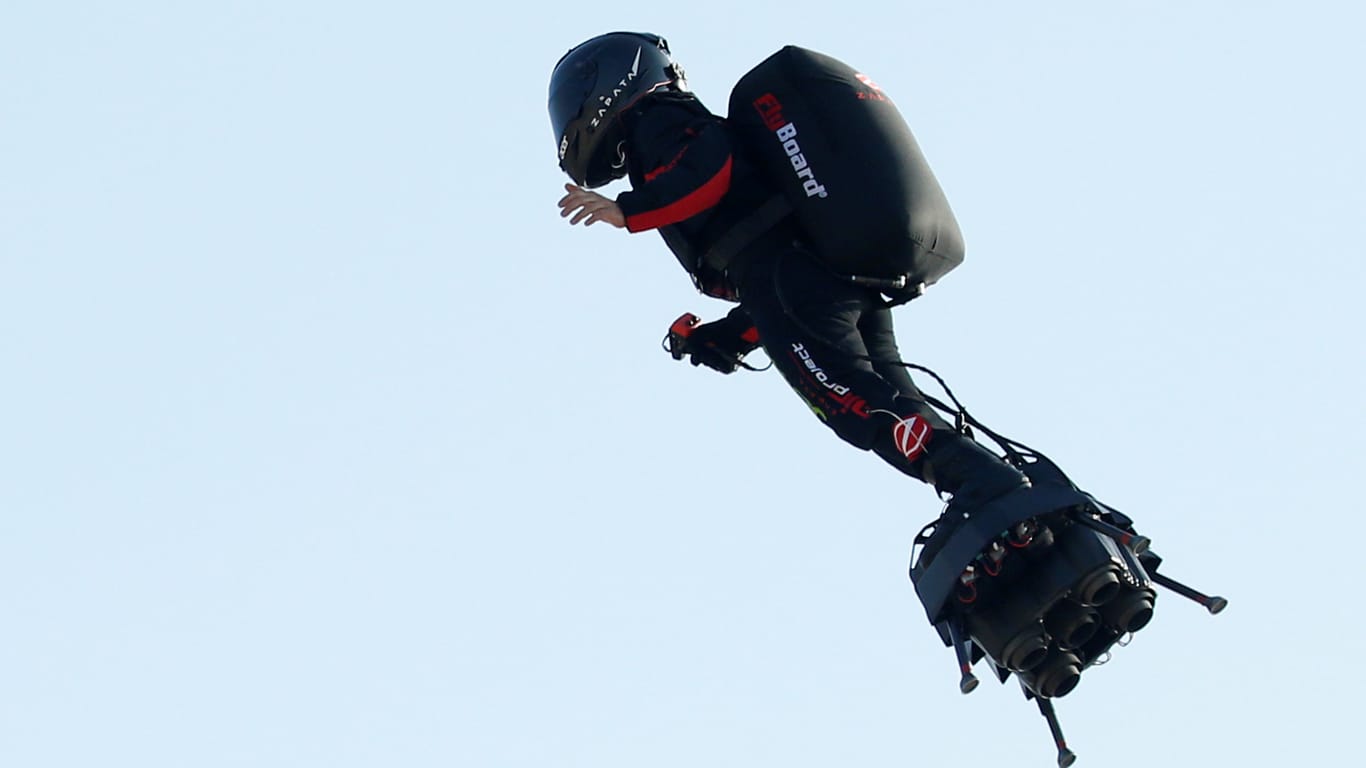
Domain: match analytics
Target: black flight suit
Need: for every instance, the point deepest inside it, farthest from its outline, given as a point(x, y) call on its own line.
point(831, 340)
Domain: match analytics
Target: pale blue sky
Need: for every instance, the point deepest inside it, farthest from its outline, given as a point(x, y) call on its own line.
point(327, 443)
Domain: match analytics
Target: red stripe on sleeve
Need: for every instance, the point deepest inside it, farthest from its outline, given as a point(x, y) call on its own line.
point(693, 203)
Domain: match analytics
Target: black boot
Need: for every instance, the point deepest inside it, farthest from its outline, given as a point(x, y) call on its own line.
point(959, 465)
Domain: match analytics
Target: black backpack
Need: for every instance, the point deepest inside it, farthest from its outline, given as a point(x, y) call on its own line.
point(846, 164)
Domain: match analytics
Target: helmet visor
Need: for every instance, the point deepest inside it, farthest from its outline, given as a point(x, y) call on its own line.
point(571, 86)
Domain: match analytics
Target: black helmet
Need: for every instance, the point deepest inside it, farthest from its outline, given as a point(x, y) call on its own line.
point(591, 87)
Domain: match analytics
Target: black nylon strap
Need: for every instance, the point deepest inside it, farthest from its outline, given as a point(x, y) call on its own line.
point(746, 231)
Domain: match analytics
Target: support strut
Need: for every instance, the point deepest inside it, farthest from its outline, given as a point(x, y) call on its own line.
point(1139, 544)
point(962, 648)
point(1065, 756)
point(1212, 603)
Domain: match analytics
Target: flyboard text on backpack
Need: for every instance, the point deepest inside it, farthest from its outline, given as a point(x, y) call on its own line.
point(771, 112)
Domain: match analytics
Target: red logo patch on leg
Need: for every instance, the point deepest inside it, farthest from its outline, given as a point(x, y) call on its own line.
point(911, 435)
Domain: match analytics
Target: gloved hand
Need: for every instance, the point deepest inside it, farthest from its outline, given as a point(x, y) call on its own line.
point(721, 344)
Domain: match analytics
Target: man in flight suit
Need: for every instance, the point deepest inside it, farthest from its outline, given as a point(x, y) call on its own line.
point(620, 107)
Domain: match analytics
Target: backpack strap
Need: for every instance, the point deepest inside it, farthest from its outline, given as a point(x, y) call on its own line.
point(722, 252)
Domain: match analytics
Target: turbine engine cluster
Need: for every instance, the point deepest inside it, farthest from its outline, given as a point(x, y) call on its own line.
point(1041, 584)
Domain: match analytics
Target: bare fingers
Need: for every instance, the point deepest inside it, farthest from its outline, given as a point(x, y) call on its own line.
point(589, 207)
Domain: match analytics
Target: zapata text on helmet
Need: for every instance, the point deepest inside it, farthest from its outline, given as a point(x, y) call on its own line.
point(605, 100)
point(771, 110)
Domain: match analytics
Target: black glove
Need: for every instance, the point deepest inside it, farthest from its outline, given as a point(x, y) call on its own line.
point(721, 344)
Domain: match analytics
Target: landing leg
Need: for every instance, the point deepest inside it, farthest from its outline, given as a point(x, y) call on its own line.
point(1213, 604)
point(962, 648)
point(1065, 756)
